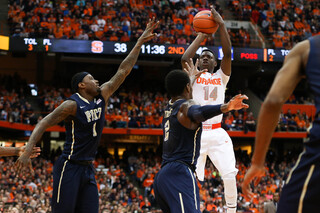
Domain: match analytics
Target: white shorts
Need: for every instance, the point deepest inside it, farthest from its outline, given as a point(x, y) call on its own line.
point(217, 144)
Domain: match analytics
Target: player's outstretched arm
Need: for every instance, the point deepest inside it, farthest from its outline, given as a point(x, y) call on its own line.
point(108, 88)
point(191, 114)
point(192, 49)
point(67, 108)
point(286, 80)
point(225, 43)
point(17, 151)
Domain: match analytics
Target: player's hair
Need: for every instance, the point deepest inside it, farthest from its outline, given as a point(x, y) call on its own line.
point(175, 82)
point(209, 50)
point(76, 79)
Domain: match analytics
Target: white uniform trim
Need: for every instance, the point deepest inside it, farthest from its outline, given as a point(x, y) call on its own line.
point(59, 188)
point(82, 98)
point(304, 189)
point(181, 202)
point(295, 166)
point(194, 145)
point(69, 157)
point(194, 188)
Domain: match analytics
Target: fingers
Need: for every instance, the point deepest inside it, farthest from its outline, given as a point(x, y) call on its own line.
point(188, 65)
point(30, 168)
point(257, 181)
point(187, 71)
point(197, 62)
point(244, 97)
point(247, 191)
point(245, 105)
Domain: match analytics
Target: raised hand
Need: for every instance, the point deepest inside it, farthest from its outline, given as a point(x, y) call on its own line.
point(216, 16)
point(192, 70)
point(236, 102)
point(35, 151)
point(148, 32)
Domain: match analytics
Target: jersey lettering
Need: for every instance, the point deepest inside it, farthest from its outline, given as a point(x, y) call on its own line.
point(214, 81)
point(93, 114)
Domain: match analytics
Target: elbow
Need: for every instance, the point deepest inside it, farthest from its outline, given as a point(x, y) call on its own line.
point(184, 59)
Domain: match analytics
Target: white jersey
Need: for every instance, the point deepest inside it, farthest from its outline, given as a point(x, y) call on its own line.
point(209, 89)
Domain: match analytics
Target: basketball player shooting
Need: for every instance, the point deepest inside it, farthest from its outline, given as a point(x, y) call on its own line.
point(74, 185)
point(209, 88)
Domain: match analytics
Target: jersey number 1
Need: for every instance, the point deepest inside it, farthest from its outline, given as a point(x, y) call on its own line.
point(213, 93)
point(94, 134)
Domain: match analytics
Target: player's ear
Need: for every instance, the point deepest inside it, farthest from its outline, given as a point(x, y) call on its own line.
point(188, 88)
point(81, 85)
point(215, 63)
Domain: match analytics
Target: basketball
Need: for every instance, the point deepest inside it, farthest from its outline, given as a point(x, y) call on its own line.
point(203, 22)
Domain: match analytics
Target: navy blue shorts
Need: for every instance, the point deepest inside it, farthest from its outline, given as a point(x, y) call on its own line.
point(74, 188)
point(176, 189)
point(302, 190)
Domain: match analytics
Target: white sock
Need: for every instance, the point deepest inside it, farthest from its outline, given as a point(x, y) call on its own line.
point(230, 192)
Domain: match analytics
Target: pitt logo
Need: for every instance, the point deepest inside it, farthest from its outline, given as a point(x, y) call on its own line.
point(215, 81)
point(93, 114)
point(167, 113)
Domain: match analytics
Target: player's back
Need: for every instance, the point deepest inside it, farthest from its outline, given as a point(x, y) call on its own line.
point(179, 143)
point(84, 131)
point(313, 77)
point(209, 89)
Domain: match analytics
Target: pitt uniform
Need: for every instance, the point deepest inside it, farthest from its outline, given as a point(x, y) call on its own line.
point(73, 175)
point(302, 189)
point(175, 184)
point(210, 88)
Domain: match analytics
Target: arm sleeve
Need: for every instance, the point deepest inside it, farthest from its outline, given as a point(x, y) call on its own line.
point(199, 113)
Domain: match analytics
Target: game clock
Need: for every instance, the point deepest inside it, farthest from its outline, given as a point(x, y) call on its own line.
point(147, 49)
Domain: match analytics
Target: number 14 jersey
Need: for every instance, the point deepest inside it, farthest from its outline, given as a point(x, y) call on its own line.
point(209, 89)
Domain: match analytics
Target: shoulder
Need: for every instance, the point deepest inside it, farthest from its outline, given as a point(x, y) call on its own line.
point(68, 107)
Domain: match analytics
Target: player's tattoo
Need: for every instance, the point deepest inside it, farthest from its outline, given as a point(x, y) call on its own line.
point(66, 109)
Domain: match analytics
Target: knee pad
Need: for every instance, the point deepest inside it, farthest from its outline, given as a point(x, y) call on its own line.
point(230, 189)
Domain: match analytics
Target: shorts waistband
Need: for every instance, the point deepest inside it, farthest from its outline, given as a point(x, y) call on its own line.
point(80, 162)
point(191, 166)
point(211, 126)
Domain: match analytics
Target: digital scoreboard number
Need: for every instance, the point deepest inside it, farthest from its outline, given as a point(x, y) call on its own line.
point(41, 45)
point(271, 55)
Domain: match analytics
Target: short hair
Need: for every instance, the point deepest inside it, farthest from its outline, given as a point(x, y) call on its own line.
point(76, 79)
point(209, 50)
point(176, 81)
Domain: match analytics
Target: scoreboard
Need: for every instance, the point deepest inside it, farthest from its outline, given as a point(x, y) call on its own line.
point(147, 49)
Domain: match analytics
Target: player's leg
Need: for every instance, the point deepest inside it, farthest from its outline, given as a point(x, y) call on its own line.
point(221, 154)
point(179, 188)
point(65, 186)
point(301, 192)
point(88, 197)
point(201, 162)
point(160, 194)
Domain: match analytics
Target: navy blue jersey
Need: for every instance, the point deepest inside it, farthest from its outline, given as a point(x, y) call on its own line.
point(84, 131)
point(179, 143)
point(313, 77)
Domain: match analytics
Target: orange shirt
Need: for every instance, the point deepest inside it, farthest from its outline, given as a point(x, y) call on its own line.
point(113, 38)
point(147, 182)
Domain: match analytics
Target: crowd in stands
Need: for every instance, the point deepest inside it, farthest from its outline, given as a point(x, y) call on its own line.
point(107, 20)
point(284, 22)
point(126, 185)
